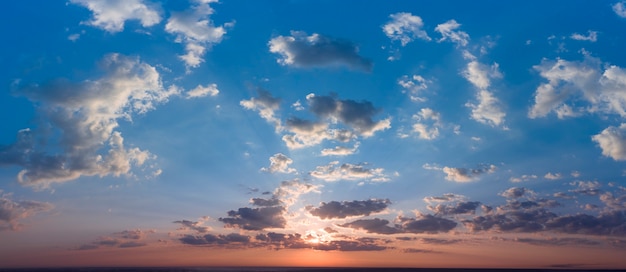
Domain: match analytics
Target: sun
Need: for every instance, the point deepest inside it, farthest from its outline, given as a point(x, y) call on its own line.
point(314, 237)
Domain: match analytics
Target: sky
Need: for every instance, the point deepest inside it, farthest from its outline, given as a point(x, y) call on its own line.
point(313, 133)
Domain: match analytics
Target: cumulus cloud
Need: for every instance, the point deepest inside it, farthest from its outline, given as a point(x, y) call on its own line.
point(612, 141)
point(194, 28)
point(340, 150)
point(578, 87)
point(111, 15)
point(343, 209)
point(279, 163)
point(488, 109)
point(462, 174)
point(300, 50)
point(346, 171)
point(405, 27)
point(414, 86)
point(13, 212)
point(448, 31)
point(468, 207)
point(427, 124)
point(444, 198)
point(356, 114)
point(517, 192)
point(553, 176)
point(620, 9)
point(202, 91)
point(426, 224)
point(256, 218)
point(522, 178)
point(592, 36)
point(376, 225)
point(85, 115)
point(266, 105)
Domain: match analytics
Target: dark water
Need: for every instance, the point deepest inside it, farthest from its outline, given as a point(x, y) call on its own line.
point(278, 269)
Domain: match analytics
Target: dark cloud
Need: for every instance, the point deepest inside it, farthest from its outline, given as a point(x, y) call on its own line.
point(211, 239)
point(612, 223)
point(12, 212)
point(265, 202)
point(317, 50)
point(123, 239)
point(257, 218)
point(458, 208)
point(376, 225)
point(516, 192)
point(196, 226)
point(426, 224)
point(559, 241)
point(335, 209)
point(356, 114)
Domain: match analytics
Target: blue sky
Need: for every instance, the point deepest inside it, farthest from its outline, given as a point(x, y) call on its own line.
point(417, 130)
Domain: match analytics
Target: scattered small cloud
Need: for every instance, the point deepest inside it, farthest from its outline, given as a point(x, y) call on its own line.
point(405, 27)
point(111, 15)
point(279, 163)
point(592, 36)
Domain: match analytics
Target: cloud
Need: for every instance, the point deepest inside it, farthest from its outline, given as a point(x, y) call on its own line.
point(468, 207)
point(423, 130)
point(612, 141)
point(552, 176)
point(335, 209)
point(462, 174)
point(522, 178)
point(209, 239)
point(340, 150)
point(575, 88)
point(590, 188)
point(194, 28)
point(448, 31)
point(592, 36)
point(444, 198)
point(111, 15)
point(334, 172)
point(266, 105)
point(414, 86)
point(300, 50)
point(426, 224)
point(405, 27)
point(620, 9)
point(195, 226)
point(516, 192)
point(202, 91)
point(12, 212)
point(356, 114)
point(488, 110)
point(376, 225)
point(85, 117)
point(279, 163)
point(256, 218)
point(123, 239)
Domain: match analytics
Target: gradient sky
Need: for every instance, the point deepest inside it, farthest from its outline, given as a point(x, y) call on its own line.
point(313, 133)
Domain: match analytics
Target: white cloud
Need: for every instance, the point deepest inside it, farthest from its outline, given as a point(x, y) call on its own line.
point(414, 86)
point(279, 163)
point(195, 28)
point(553, 176)
point(340, 150)
point(335, 172)
point(620, 9)
point(85, 114)
point(571, 84)
point(592, 36)
point(405, 27)
point(612, 141)
point(462, 174)
point(488, 110)
point(110, 15)
point(448, 32)
point(423, 130)
point(202, 91)
point(522, 178)
point(317, 50)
